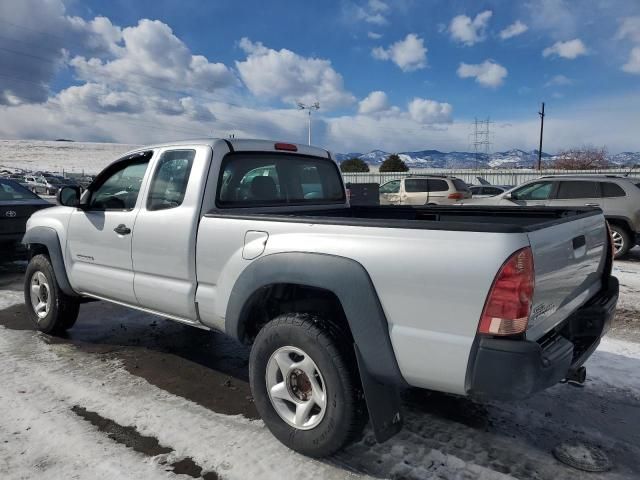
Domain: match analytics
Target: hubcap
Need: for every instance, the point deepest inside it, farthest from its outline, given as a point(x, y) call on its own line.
point(296, 388)
point(40, 294)
point(618, 241)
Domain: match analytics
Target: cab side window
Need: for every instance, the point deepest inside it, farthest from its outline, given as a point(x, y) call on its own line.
point(438, 185)
point(610, 190)
point(533, 191)
point(391, 187)
point(118, 189)
point(414, 185)
point(577, 189)
point(169, 184)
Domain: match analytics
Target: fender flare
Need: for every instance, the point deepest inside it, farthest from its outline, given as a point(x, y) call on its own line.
point(349, 281)
point(48, 237)
point(344, 277)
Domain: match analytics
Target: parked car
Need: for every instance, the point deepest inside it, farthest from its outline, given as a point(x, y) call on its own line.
point(617, 196)
point(45, 185)
point(484, 191)
point(16, 206)
point(424, 190)
point(338, 323)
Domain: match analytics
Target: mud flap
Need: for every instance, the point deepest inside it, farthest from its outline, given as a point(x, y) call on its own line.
point(383, 403)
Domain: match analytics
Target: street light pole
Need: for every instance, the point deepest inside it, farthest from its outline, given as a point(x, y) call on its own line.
point(309, 108)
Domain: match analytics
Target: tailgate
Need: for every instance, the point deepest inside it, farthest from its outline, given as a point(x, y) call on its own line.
point(569, 259)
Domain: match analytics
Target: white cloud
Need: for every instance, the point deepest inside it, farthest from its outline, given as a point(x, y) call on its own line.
point(513, 30)
point(152, 55)
point(487, 73)
point(374, 35)
point(375, 102)
point(425, 111)
point(570, 49)
point(469, 31)
point(629, 28)
point(409, 54)
point(555, 16)
point(291, 77)
point(633, 64)
point(373, 12)
point(559, 81)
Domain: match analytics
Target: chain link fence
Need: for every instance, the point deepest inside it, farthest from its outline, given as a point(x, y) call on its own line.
point(493, 176)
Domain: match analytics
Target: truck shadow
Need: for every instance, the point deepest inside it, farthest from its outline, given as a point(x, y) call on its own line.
point(443, 435)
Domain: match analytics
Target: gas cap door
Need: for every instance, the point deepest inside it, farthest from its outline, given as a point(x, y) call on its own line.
point(254, 244)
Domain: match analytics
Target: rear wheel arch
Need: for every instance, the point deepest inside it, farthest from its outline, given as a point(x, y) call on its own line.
point(332, 278)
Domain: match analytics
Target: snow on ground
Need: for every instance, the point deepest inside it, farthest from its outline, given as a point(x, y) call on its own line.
point(42, 438)
point(76, 157)
point(42, 382)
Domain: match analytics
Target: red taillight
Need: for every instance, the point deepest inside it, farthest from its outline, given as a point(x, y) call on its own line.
point(289, 147)
point(456, 196)
point(508, 305)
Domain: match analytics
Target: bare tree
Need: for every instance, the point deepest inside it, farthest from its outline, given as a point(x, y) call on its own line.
point(584, 158)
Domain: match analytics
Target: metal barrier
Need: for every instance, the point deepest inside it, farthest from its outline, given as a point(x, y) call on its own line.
point(493, 176)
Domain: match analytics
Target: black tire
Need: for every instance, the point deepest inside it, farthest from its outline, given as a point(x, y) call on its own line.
point(345, 413)
point(63, 310)
point(623, 235)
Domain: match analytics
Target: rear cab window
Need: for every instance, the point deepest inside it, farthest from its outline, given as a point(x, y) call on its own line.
point(253, 179)
point(169, 183)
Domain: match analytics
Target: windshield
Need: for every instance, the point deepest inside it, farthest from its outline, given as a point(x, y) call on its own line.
point(12, 191)
point(258, 179)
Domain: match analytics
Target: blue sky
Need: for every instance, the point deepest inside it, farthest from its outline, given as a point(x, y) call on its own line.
point(392, 75)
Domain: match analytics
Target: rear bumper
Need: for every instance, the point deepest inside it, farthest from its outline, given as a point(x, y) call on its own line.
point(515, 369)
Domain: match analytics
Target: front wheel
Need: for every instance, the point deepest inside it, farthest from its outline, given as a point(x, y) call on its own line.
point(48, 307)
point(621, 241)
point(305, 386)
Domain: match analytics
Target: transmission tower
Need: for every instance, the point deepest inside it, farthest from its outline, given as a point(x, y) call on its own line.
point(481, 139)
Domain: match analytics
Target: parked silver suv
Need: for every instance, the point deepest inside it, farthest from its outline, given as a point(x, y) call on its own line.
point(424, 190)
point(617, 196)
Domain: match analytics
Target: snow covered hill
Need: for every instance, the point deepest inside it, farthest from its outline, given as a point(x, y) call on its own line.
point(514, 158)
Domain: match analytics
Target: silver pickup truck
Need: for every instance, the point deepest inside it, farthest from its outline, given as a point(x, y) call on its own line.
point(344, 306)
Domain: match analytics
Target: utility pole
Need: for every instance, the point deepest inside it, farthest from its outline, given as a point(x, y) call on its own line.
point(309, 108)
point(541, 113)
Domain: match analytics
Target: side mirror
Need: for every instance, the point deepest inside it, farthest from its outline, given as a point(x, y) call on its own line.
point(68, 196)
point(508, 196)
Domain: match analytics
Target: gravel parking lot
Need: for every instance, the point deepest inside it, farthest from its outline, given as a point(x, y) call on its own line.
point(129, 395)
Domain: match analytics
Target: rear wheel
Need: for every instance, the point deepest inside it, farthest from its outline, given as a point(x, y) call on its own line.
point(304, 385)
point(621, 241)
point(48, 307)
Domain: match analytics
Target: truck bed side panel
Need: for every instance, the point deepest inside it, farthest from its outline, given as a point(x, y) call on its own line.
point(432, 284)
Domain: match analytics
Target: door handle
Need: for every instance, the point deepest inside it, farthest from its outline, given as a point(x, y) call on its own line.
point(591, 204)
point(122, 229)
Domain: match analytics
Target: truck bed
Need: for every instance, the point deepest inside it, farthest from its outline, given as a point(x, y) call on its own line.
point(499, 219)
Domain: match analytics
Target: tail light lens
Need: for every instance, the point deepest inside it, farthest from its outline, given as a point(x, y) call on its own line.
point(456, 196)
point(508, 305)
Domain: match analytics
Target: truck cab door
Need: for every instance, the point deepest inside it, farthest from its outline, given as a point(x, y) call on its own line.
point(530, 195)
point(99, 234)
point(164, 244)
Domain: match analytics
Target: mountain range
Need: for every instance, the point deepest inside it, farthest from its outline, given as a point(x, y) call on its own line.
point(514, 158)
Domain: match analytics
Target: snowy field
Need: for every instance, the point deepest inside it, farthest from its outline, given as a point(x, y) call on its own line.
point(76, 157)
point(85, 407)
